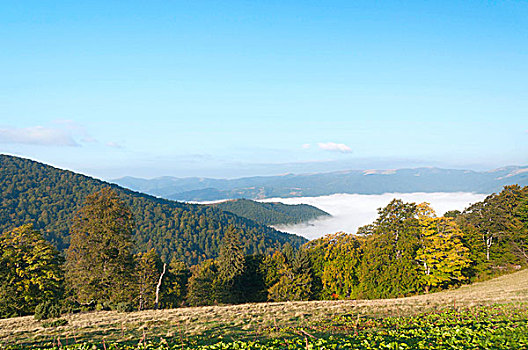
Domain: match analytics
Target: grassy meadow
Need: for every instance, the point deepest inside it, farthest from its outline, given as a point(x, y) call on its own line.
point(493, 312)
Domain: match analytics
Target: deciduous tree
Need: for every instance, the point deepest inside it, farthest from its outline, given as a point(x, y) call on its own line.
point(174, 289)
point(149, 268)
point(442, 254)
point(100, 263)
point(388, 266)
point(30, 271)
point(494, 229)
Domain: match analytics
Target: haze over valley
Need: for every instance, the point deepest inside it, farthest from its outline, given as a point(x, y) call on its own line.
point(351, 197)
point(350, 211)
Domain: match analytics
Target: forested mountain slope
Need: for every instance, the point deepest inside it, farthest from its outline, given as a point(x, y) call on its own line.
point(271, 213)
point(319, 184)
point(32, 192)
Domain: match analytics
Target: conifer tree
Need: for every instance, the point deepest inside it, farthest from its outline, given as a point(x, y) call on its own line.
point(201, 284)
point(100, 264)
point(230, 267)
point(231, 258)
point(251, 284)
point(286, 282)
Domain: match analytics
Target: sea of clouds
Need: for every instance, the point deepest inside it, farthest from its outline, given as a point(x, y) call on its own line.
point(350, 211)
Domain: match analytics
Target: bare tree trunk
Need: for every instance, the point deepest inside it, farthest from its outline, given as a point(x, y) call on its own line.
point(159, 286)
point(396, 238)
point(489, 241)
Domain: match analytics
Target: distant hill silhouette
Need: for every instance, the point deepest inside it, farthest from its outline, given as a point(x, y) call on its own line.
point(353, 181)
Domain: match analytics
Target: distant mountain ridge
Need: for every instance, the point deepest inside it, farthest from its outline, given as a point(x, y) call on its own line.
point(48, 197)
point(319, 184)
point(271, 213)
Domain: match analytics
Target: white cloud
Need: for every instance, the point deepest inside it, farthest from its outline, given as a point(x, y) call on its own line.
point(113, 144)
point(350, 211)
point(334, 147)
point(306, 146)
point(88, 139)
point(37, 135)
point(76, 129)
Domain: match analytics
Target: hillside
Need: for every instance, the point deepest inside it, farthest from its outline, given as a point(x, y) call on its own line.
point(271, 213)
point(32, 192)
point(318, 184)
point(277, 320)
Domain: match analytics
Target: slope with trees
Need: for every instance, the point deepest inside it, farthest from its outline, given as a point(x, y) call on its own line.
point(48, 197)
point(271, 213)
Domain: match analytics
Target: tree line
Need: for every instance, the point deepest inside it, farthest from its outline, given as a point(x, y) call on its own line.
point(407, 250)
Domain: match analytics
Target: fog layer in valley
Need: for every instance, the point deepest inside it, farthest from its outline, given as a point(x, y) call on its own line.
point(350, 211)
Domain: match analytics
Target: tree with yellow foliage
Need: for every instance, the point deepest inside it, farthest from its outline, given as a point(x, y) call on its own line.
point(30, 271)
point(442, 255)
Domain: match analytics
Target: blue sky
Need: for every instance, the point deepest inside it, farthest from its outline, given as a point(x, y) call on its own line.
point(238, 88)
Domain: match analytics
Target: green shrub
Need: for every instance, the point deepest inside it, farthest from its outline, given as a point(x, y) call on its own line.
point(124, 307)
point(86, 309)
point(47, 309)
point(69, 306)
point(104, 306)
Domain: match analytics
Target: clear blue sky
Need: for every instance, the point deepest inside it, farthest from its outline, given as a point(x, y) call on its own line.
point(236, 88)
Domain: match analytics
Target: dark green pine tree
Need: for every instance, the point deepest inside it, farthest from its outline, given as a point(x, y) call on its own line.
point(201, 284)
point(99, 262)
point(230, 268)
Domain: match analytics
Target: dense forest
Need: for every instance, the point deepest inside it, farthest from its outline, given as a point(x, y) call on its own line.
point(271, 213)
point(47, 197)
point(407, 250)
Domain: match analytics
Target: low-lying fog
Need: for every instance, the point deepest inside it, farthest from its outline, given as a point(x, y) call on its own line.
point(350, 211)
